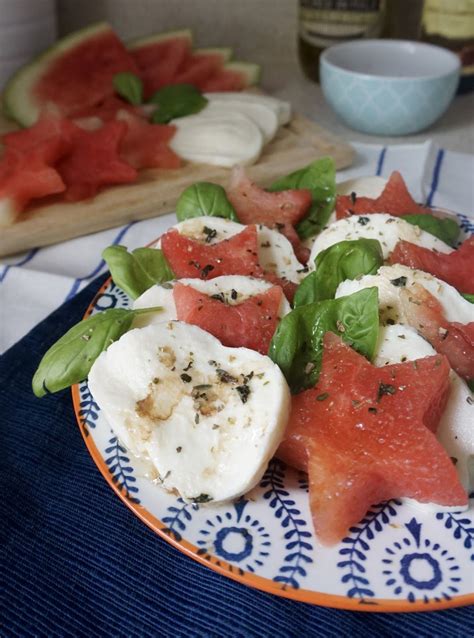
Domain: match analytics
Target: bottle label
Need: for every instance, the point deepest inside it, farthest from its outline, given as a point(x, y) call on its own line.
point(326, 22)
point(453, 19)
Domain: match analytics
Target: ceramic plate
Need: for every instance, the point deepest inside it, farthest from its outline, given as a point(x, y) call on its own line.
point(398, 558)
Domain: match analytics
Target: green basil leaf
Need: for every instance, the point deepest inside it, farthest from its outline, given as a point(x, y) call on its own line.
point(470, 384)
point(297, 343)
point(137, 271)
point(344, 260)
point(129, 86)
point(204, 198)
point(176, 100)
point(467, 296)
point(320, 178)
point(70, 359)
point(442, 227)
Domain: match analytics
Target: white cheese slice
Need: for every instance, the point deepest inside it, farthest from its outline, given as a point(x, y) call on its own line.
point(235, 288)
point(362, 186)
point(399, 343)
point(208, 417)
point(221, 140)
point(281, 108)
point(455, 307)
point(275, 253)
point(388, 230)
point(262, 115)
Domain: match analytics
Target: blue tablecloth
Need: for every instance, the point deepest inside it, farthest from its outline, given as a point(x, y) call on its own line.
point(74, 561)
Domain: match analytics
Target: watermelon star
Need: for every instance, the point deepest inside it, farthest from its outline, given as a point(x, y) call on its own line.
point(367, 434)
point(94, 161)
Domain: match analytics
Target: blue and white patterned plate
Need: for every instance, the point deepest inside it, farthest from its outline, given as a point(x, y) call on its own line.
point(398, 558)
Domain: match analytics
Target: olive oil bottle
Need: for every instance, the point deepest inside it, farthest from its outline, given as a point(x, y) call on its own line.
point(326, 22)
point(450, 24)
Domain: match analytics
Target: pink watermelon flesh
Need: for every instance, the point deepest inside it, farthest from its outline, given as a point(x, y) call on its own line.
point(95, 161)
point(82, 76)
point(197, 69)
point(394, 200)
point(224, 80)
point(250, 324)
point(360, 446)
point(279, 210)
point(159, 62)
point(145, 145)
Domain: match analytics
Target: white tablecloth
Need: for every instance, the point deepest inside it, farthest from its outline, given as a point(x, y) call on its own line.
point(35, 283)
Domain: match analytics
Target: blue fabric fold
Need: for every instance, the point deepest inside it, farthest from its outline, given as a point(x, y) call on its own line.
point(74, 561)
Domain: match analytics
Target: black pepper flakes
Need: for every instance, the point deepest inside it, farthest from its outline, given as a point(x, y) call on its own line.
point(185, 377)
point(385, 389)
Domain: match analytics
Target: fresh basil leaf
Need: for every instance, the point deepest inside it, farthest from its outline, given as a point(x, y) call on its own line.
point(297, 344)
point(344, 260)
point(176, 100)
point(442, 227)
point(470, 384)
point(204, 198)
point(467, 296)
point(129, 86)
point(320, 178)
point(70, 359)
point(137, 271)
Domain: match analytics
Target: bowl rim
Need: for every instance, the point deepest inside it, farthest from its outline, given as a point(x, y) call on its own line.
point(384, 43)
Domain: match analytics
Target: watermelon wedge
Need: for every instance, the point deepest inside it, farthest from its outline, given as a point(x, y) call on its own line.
point(250, 324)
point(159, 57)
point(367, 434)
point(233, 76)
point(74, 74)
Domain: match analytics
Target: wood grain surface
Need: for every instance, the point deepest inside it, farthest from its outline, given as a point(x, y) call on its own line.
point(157, 190)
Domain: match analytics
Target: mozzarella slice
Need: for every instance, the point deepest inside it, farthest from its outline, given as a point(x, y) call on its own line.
point(275, 253)
point(221, 140)
point(455, 307)
point(263, 116)
point(388, 230)
point(235, 288)
point(362, 186)
point(281, 108)
point(456, 428)
point(208, 417)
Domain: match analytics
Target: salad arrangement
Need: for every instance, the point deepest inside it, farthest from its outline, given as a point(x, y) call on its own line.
point(334, 331)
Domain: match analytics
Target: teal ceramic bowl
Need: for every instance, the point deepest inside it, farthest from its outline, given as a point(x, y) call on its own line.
point(389, 87)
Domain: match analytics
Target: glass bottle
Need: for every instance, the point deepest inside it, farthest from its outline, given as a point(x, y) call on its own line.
point(450, 24)
point(326, 22)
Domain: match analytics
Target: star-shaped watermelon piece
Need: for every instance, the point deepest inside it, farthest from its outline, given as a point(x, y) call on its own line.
point(366, 434)
point(95, 161)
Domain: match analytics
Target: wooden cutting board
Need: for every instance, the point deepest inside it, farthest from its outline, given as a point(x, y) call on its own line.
point(156, 191)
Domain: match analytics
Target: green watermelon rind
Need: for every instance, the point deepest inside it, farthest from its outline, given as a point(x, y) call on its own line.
point(155, 38)
point(18, 100)
point(225, 53)
point(249, 71)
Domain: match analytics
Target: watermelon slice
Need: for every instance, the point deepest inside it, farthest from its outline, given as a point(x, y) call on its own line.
point(367, 434)
point(250, 324)
point(279, 210)
point(145, 145)
point(94, 162)
point(455, 340)
point(74, 74)
point(394, 200)
point(106, 110)
point(27, 167)
point(234, 76)
point(456, 268)
point(23, 177)
point(234, 256)
point(160, 56)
